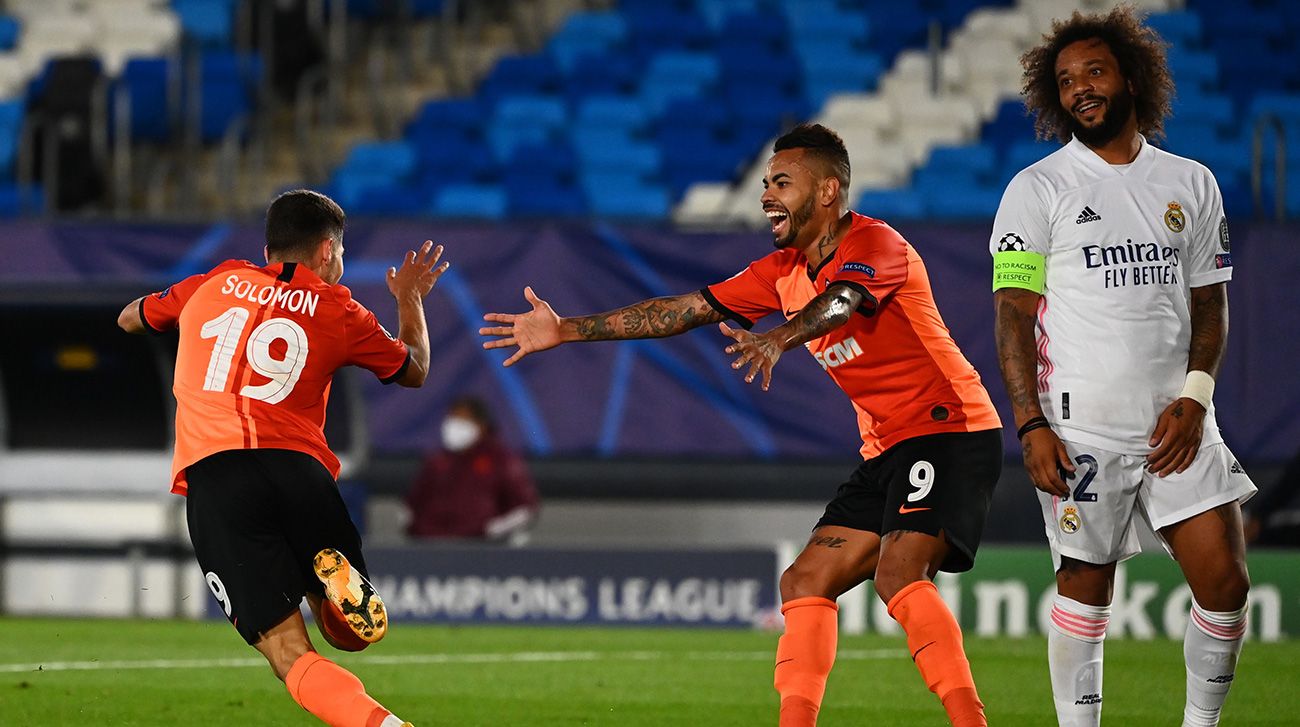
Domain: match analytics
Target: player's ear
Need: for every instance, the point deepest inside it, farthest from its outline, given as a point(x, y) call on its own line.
point(830, 191)
point(325, 250)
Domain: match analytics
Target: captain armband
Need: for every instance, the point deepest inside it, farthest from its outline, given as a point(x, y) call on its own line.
point(1019, 269)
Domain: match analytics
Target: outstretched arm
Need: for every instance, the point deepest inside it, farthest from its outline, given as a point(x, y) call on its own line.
point(1015, 311)
point(541, 329)
point(823, 314)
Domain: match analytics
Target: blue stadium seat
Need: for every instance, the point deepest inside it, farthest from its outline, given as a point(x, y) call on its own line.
point(475, 201)
point(979, 160)
point(609, 73)
point(612, 111)
point(831, 25)
point(641, 158)
point(226, 82)
point(1009, 126)
point(718, 12)
point(146, 84)
point(1181, 29)
point(534, 193)
point(892, 204)
point(460, 115)
point(391, 159)
point(208, 23)
point(519, 75)
point(521, 120)
point(624, 196)
point(1198, 70)
point(10, 29)
point(1216, 110)
point(586, 34)
point(11, 120)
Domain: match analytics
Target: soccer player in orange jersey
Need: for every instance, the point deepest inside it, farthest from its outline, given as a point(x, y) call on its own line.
point(258, 348)
point(857, 296)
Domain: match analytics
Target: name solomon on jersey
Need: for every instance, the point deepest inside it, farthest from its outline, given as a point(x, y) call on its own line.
point(296, 300)
point(1161, 261)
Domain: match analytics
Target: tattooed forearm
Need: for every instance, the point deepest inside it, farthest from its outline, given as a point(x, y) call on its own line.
point(827, 541)
point(1014, 315)
point(654, 318)
point(1209, 311)
point(823, 314)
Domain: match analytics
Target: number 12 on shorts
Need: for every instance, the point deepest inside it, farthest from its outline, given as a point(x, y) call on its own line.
point(1089, 465)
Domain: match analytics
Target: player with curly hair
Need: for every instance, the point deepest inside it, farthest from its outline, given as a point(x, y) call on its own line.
point(1111, 262)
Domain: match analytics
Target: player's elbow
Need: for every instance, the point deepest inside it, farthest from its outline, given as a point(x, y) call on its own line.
point(415, 375)
point(129, 319)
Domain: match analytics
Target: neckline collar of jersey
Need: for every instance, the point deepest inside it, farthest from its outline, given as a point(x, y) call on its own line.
point(854, 219)
point(1089, 157)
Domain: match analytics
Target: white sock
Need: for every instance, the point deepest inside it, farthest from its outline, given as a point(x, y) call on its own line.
point(1074, 651)
point(1210, 649)
point(392, 720)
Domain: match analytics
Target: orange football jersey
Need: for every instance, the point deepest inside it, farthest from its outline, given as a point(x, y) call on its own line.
point(258, 350)
point(894, 358)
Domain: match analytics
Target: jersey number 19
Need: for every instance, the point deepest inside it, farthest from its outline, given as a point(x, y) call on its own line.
point(283, 373)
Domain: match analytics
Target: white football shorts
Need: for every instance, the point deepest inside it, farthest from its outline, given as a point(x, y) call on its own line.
point(1110, 494)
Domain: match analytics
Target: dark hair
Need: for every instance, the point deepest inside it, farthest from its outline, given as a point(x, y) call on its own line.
point(1141, 55)
point(822, 143)
point(477, 409)
point(298, 220)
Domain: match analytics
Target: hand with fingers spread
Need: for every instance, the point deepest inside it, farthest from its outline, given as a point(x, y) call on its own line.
point(1177, 437)
point(1047, 462)
point(536, 330)
point(417, 274)
point(758, 350)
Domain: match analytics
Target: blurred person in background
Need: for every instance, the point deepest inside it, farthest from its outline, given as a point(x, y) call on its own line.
point(1111, 264)
point(475, 486)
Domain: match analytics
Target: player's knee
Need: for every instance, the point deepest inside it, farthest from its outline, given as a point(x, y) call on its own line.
point(1231, 587)
point(800, 582)
point(889, 581)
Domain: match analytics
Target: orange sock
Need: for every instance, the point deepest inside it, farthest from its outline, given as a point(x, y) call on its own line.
point(333, 623)
point(934, 638)
point(332, 693)
point(804, 657)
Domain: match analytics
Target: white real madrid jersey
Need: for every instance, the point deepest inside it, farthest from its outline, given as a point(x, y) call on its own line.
point(1123, 247)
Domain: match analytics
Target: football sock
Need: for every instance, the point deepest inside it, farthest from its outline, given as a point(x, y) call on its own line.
point(804, 657)
point(333, 694)
point(334, 624)
point(1210, 649)
point(934, 639)
point(1074, 658)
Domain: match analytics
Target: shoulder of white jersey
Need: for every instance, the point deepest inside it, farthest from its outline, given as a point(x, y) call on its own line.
point(1180, 166)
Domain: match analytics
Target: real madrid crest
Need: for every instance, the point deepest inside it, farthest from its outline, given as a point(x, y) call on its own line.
point(1174, 218)
point(1070, 522)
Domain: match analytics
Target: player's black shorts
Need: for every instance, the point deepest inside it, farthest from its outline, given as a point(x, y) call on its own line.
point(937, 482)
point(257, 518)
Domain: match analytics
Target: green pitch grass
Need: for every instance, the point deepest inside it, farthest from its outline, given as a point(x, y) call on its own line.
point(185, 673)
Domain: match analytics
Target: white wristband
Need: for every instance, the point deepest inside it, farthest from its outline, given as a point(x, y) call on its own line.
point(1199, 387)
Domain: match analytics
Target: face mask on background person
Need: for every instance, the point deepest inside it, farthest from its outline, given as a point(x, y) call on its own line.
point(459, 433)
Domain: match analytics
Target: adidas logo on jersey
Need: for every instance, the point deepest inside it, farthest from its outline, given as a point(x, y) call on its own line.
point(1236, 468)
point(1087, 215)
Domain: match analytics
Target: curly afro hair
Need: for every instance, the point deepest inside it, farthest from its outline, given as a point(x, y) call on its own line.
point(1141, 55)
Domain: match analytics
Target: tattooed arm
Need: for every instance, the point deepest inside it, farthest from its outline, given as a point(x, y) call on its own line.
point(823, 314)
point(1177, 436)
point(541, 329)
point(1015, 311)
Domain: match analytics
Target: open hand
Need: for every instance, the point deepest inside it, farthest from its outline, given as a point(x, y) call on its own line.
point(417, 274)
point(536, 330)
point(759, 351)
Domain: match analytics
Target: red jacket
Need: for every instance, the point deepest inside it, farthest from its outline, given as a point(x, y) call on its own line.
point(457, 493)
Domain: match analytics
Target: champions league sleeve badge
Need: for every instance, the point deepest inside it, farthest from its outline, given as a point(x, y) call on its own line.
point(1174, 218)
point(1011, 242)
point(1070, 521)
